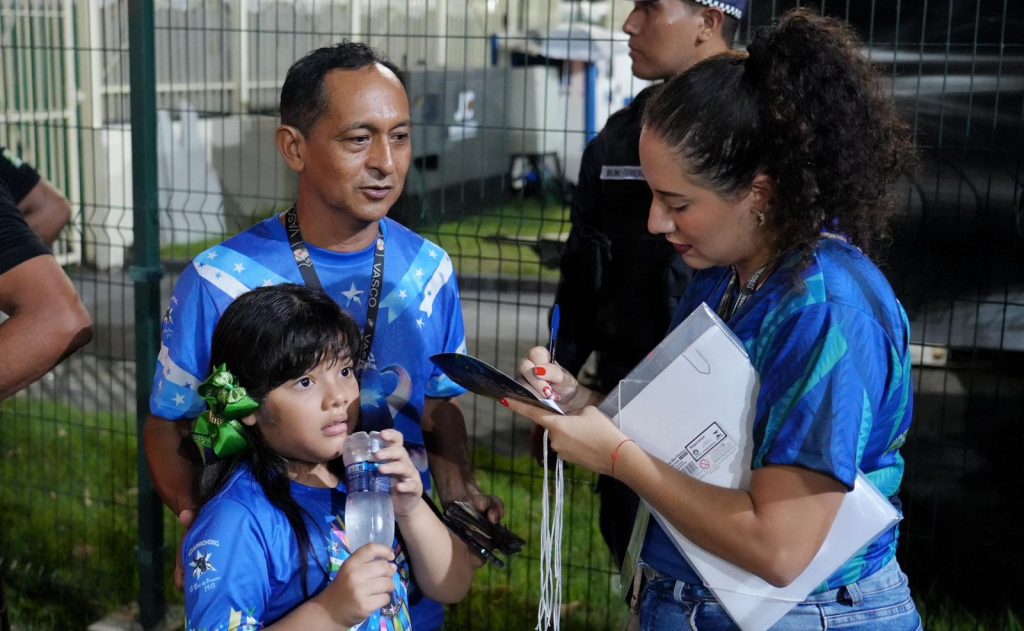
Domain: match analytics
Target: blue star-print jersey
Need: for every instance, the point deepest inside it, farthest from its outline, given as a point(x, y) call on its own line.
point(242, 559)
point(420, 314)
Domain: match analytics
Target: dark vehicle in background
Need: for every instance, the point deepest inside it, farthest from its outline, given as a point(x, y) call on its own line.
point(956, 70)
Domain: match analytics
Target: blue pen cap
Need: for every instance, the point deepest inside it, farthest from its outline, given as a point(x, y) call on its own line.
point(556, 319)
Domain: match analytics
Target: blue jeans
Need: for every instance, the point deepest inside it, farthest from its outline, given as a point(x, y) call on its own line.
point(880, 601)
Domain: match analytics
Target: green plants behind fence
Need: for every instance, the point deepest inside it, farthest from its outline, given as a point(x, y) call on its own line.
point(67, 513)
point(506, 599)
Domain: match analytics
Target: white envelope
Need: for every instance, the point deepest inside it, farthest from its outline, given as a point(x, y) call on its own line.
point(691, 404)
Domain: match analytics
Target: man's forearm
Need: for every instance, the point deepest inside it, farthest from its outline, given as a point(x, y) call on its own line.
point(172, 462)
point(48, 322)
point(29, 352)
point(444, 432)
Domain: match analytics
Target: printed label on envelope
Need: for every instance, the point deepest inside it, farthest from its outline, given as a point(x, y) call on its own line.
point(705, 453)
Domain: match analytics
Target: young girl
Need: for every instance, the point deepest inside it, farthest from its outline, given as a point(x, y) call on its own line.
point(269, 546)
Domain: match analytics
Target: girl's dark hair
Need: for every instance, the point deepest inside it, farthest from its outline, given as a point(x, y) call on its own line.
point(804, 107)
point(266, 337)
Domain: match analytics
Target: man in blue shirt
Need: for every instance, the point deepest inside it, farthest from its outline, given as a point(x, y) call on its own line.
point(345, 129)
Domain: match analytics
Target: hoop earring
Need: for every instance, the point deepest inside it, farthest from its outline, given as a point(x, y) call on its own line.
point(761, 218)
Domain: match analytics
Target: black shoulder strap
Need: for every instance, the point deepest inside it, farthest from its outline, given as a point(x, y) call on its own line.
point(309, 276)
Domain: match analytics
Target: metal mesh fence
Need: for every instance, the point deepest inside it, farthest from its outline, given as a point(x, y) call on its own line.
point(505, 94)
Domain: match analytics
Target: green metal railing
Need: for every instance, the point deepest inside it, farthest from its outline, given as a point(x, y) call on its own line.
point(146, 273)
point(156, 119)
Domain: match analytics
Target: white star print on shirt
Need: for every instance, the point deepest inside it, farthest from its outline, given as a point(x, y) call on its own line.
point(179, 399)
point(353, 294)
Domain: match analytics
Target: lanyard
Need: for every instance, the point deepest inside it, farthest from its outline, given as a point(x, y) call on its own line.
point(731, 300)
point(305, 264)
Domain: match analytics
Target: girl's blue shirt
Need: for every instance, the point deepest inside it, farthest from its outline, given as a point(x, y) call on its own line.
point(241, 557)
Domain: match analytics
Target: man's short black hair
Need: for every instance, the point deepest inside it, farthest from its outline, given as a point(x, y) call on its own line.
point(302, 95)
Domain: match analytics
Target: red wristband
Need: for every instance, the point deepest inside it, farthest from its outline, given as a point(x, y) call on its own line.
point(615, 454)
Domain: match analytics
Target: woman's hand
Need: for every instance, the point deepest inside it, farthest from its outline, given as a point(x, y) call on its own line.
point(406, 483)
point(554, 382)
point(587, 439)
point(363, 585)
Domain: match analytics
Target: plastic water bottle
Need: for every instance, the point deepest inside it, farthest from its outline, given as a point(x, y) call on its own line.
point(369, 513)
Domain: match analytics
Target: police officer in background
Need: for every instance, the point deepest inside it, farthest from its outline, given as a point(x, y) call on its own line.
point(615, 274)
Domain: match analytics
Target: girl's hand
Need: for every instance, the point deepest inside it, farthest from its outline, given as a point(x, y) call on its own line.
point(363, 585)
point(587, 439)
point(554, 382)
point(406, 483)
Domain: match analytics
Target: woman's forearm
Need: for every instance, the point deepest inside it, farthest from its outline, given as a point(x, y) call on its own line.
point(773, 530)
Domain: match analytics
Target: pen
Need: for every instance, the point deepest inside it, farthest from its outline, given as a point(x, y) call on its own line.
point(555, 321)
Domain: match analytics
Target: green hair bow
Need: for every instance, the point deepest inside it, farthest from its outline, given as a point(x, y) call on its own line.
point(219, 427)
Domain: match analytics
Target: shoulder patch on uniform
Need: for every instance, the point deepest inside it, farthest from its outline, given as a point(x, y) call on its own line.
point(621, 172)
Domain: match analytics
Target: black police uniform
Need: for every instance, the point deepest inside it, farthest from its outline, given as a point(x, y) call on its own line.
point(619, 284)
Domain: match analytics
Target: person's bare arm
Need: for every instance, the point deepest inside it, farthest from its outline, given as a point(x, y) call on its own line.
point(444, 431)
point(47, 322)
point(174, 465)
point(773, 530)
point(173, 462)
point(46, 211)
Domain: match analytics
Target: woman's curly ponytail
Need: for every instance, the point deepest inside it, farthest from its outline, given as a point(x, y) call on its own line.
point(803, 107)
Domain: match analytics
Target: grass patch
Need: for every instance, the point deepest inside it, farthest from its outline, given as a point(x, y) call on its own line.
point(68, 534)
point(506, 599)
point(940, 612)
point(502, 241)
point(68, 513)
point(68, 496)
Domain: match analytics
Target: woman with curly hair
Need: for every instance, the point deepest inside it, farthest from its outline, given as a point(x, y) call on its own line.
point(772, 175)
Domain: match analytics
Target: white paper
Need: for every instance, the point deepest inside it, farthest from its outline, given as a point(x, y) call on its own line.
point(691, 403)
